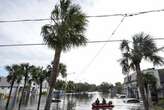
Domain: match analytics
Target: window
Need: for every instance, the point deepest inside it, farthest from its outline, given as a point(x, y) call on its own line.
point(133, 101)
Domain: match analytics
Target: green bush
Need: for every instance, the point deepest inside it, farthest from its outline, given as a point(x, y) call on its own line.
point(158, 108)
point(44, 93)
point(161, 102)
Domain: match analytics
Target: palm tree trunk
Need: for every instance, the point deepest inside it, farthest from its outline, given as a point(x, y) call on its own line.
point(141, 87)
point(156, 94)
point(20, 102)
point(28, 93)
point(40, 94)
point(53, 77)
point(149, 97)
point(8, 99)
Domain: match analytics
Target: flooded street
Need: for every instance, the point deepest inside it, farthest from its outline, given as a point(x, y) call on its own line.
point(81, 102)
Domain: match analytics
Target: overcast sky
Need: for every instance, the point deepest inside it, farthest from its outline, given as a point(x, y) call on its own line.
point(105, 67)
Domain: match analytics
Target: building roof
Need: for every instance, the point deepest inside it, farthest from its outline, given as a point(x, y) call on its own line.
point(4, 83)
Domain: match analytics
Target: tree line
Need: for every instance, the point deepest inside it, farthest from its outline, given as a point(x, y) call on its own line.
point(73, 87)
point(26, 74)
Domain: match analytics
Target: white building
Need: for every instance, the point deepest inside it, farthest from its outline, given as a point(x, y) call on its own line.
point(130, 84)
point(5, 87)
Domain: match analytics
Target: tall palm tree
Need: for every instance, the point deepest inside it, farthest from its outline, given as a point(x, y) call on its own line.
point(39, 75)
point(25, 69)
point(67, 31)
point(143, 48)
point(11, 78)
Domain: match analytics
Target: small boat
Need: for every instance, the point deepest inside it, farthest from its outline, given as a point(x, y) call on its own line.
point(96, 106)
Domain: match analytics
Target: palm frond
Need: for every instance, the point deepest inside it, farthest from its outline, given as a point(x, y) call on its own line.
point(125, 65)
point(63, 70)
point(132, 66)
point(124, 45)
point(157, 60)
point(8, 68)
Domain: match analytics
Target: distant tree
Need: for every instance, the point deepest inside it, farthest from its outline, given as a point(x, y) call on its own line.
point(92, 87)
point(143, 48)
point(14, 75)
point(39, 75)
point(67, 31)
point(25, 69)
point(104, 87)
point(82, 87)
point(119, 87)
point(62, 71)
point(70, 86)
point(60, 85)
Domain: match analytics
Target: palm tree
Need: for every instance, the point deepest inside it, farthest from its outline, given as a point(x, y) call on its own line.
point(25, 71)
point(67, 31)
point(143, 48)
point(150, 84)
point(11, 78)
point(39, 75)
point(62, 71)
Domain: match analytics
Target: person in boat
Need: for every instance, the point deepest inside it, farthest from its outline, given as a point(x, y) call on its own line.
point(103, 101)
point(97, 102)
point(110, 102)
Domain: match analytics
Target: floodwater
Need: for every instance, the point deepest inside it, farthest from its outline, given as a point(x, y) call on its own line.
point(80, 102)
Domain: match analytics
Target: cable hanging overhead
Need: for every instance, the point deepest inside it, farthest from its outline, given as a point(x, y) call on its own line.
point(100, 50)
point(90, 16)
point(39, 44)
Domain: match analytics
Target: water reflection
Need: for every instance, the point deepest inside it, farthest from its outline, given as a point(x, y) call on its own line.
point(82, 101)
point(71, 105)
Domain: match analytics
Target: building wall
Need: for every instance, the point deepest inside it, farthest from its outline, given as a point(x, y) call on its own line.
point(131, 82)
point(5, 87)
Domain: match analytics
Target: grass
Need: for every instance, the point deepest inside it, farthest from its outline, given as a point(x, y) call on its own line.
point(157, 108)
point(160, 105)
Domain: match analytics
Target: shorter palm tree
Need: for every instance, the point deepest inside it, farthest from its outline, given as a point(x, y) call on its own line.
point(62, 71)
point(39, 75)
point(14, 75)
point(25, 69)
point(150, 82)
point(143, 48)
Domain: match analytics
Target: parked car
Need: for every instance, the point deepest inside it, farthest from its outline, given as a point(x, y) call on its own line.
point(122, 96)
point(131, 100)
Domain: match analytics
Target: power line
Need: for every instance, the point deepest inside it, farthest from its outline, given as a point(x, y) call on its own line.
point(23, 20)
point(39, 44)
point(20, 45)
point(90, 16)
point(100, 50)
